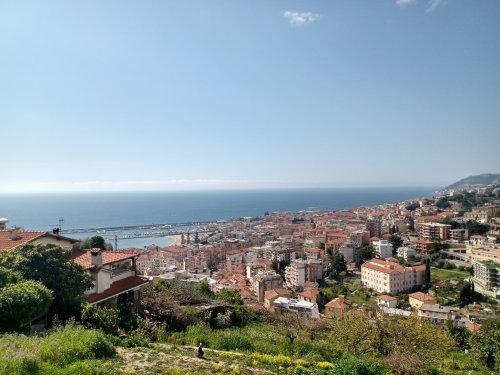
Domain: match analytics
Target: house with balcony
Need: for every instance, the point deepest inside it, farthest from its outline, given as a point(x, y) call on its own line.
point(113, 273)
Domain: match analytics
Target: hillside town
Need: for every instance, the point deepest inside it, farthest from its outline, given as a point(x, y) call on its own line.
point(417, 257)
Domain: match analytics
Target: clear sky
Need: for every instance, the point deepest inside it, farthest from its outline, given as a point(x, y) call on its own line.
point(141, 95)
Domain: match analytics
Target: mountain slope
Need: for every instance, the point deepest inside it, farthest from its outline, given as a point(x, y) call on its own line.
point(479, 180)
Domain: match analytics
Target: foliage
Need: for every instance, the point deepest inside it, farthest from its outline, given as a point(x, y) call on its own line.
point(8, 276)
point(364, 253)
point(394, 338)
point(476, 228)
point(230, 296)
point(52, 266)
point(413, 206)
point(21, 303)
point(443, 203)
point(485, 343)
point(68, 350)
point(103, 318)
point(337, 266)
point(160, 303)
point(461, 335)
point(94, 242)
point(204, 288)
point(396, 243)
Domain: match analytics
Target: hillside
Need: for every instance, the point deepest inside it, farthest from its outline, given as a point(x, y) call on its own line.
point(479, 180)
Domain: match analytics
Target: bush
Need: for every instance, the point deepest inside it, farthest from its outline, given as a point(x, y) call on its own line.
point(356, 366)
point(103, 318)
point(72, 343)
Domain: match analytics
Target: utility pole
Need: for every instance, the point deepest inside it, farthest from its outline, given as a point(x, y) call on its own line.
point(61, 220)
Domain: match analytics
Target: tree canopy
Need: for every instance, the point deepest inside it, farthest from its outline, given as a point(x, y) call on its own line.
point(52, 266)
point(22, 302)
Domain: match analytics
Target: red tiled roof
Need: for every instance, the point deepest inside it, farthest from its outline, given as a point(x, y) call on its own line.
point(339, 303)
point(118, 287)
point(422, 297)
point(311, 294)
point(6, 243)
point(83, 257)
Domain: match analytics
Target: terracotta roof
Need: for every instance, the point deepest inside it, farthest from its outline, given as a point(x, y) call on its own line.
point(83, 257)
point(23, 237)
point(118, 287)
point(422, 297)
point(311, 294)
point(339, 303)
point(275, 293)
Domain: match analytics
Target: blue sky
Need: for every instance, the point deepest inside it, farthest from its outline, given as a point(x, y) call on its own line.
point(153, 95)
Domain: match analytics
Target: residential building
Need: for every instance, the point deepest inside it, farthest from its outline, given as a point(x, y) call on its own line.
point(387, 301)
point(433, 231)
point(486, 278)
point(441, 314)
point(301, 271)
point(459, 235)
point(424, 246)
point(383, 249)
point(113, 274)
point(271, 295)
point(360, 238)
point(406, 252)
point(337, 307)
point(417, 299)
point(11, 239)
point(391, 277)
point(483, 214)
point(483, 252)
point(374, 227)
point(309, 295)
point(293, 305)
point(195, 264)
point(263, 281)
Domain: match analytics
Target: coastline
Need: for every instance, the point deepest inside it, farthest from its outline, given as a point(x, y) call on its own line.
point(176, 240)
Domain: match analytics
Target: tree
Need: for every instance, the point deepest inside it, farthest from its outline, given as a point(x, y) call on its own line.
point(103, 318)
point(396, 243)
point(476, 228)
point(196, 238)
point(364, 253)
point(230, 296)
point(427, 280)
point(443, 203)
point(22, 302)
point(485, 343)
point(8, 276)
point(52, 266)
point(337, 266)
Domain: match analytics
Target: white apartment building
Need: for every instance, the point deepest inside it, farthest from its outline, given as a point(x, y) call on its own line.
point(296, 306)
point(391, 277)
point(383, 249)
point(295, 274)
point(406, 252)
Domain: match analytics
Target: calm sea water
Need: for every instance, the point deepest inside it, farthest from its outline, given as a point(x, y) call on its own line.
point(91, 210)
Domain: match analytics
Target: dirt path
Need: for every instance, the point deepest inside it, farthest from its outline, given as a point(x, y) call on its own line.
point(166, 358)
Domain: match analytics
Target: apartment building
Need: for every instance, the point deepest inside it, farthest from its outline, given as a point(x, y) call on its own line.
point(374, 227)
point(383, 249)
point(297, 306)
point(441, 314)
point(486, 278)
point(406, 252)
point(390, 277)
point(434, 231)
point(483, 252)
point(301, 271)
point(264, 281)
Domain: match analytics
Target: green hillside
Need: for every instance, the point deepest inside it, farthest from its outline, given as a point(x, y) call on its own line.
point(479, 180)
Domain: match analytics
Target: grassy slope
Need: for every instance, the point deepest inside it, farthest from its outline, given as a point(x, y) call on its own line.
point(438, 274)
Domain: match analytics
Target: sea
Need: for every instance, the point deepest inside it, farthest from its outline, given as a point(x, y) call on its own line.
point(74, 211)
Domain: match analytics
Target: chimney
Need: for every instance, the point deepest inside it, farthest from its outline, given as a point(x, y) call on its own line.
point(96, 257)
point(14, 234)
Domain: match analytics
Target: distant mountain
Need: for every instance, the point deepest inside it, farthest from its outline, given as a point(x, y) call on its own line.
point(479, 180)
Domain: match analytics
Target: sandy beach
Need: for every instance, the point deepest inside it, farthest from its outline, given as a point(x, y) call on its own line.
point(176, 239)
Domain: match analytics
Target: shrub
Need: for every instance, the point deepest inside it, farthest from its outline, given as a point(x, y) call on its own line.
point(104, 318)
point(72, 343)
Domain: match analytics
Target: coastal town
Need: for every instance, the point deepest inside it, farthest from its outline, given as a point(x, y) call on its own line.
point(410, 258)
